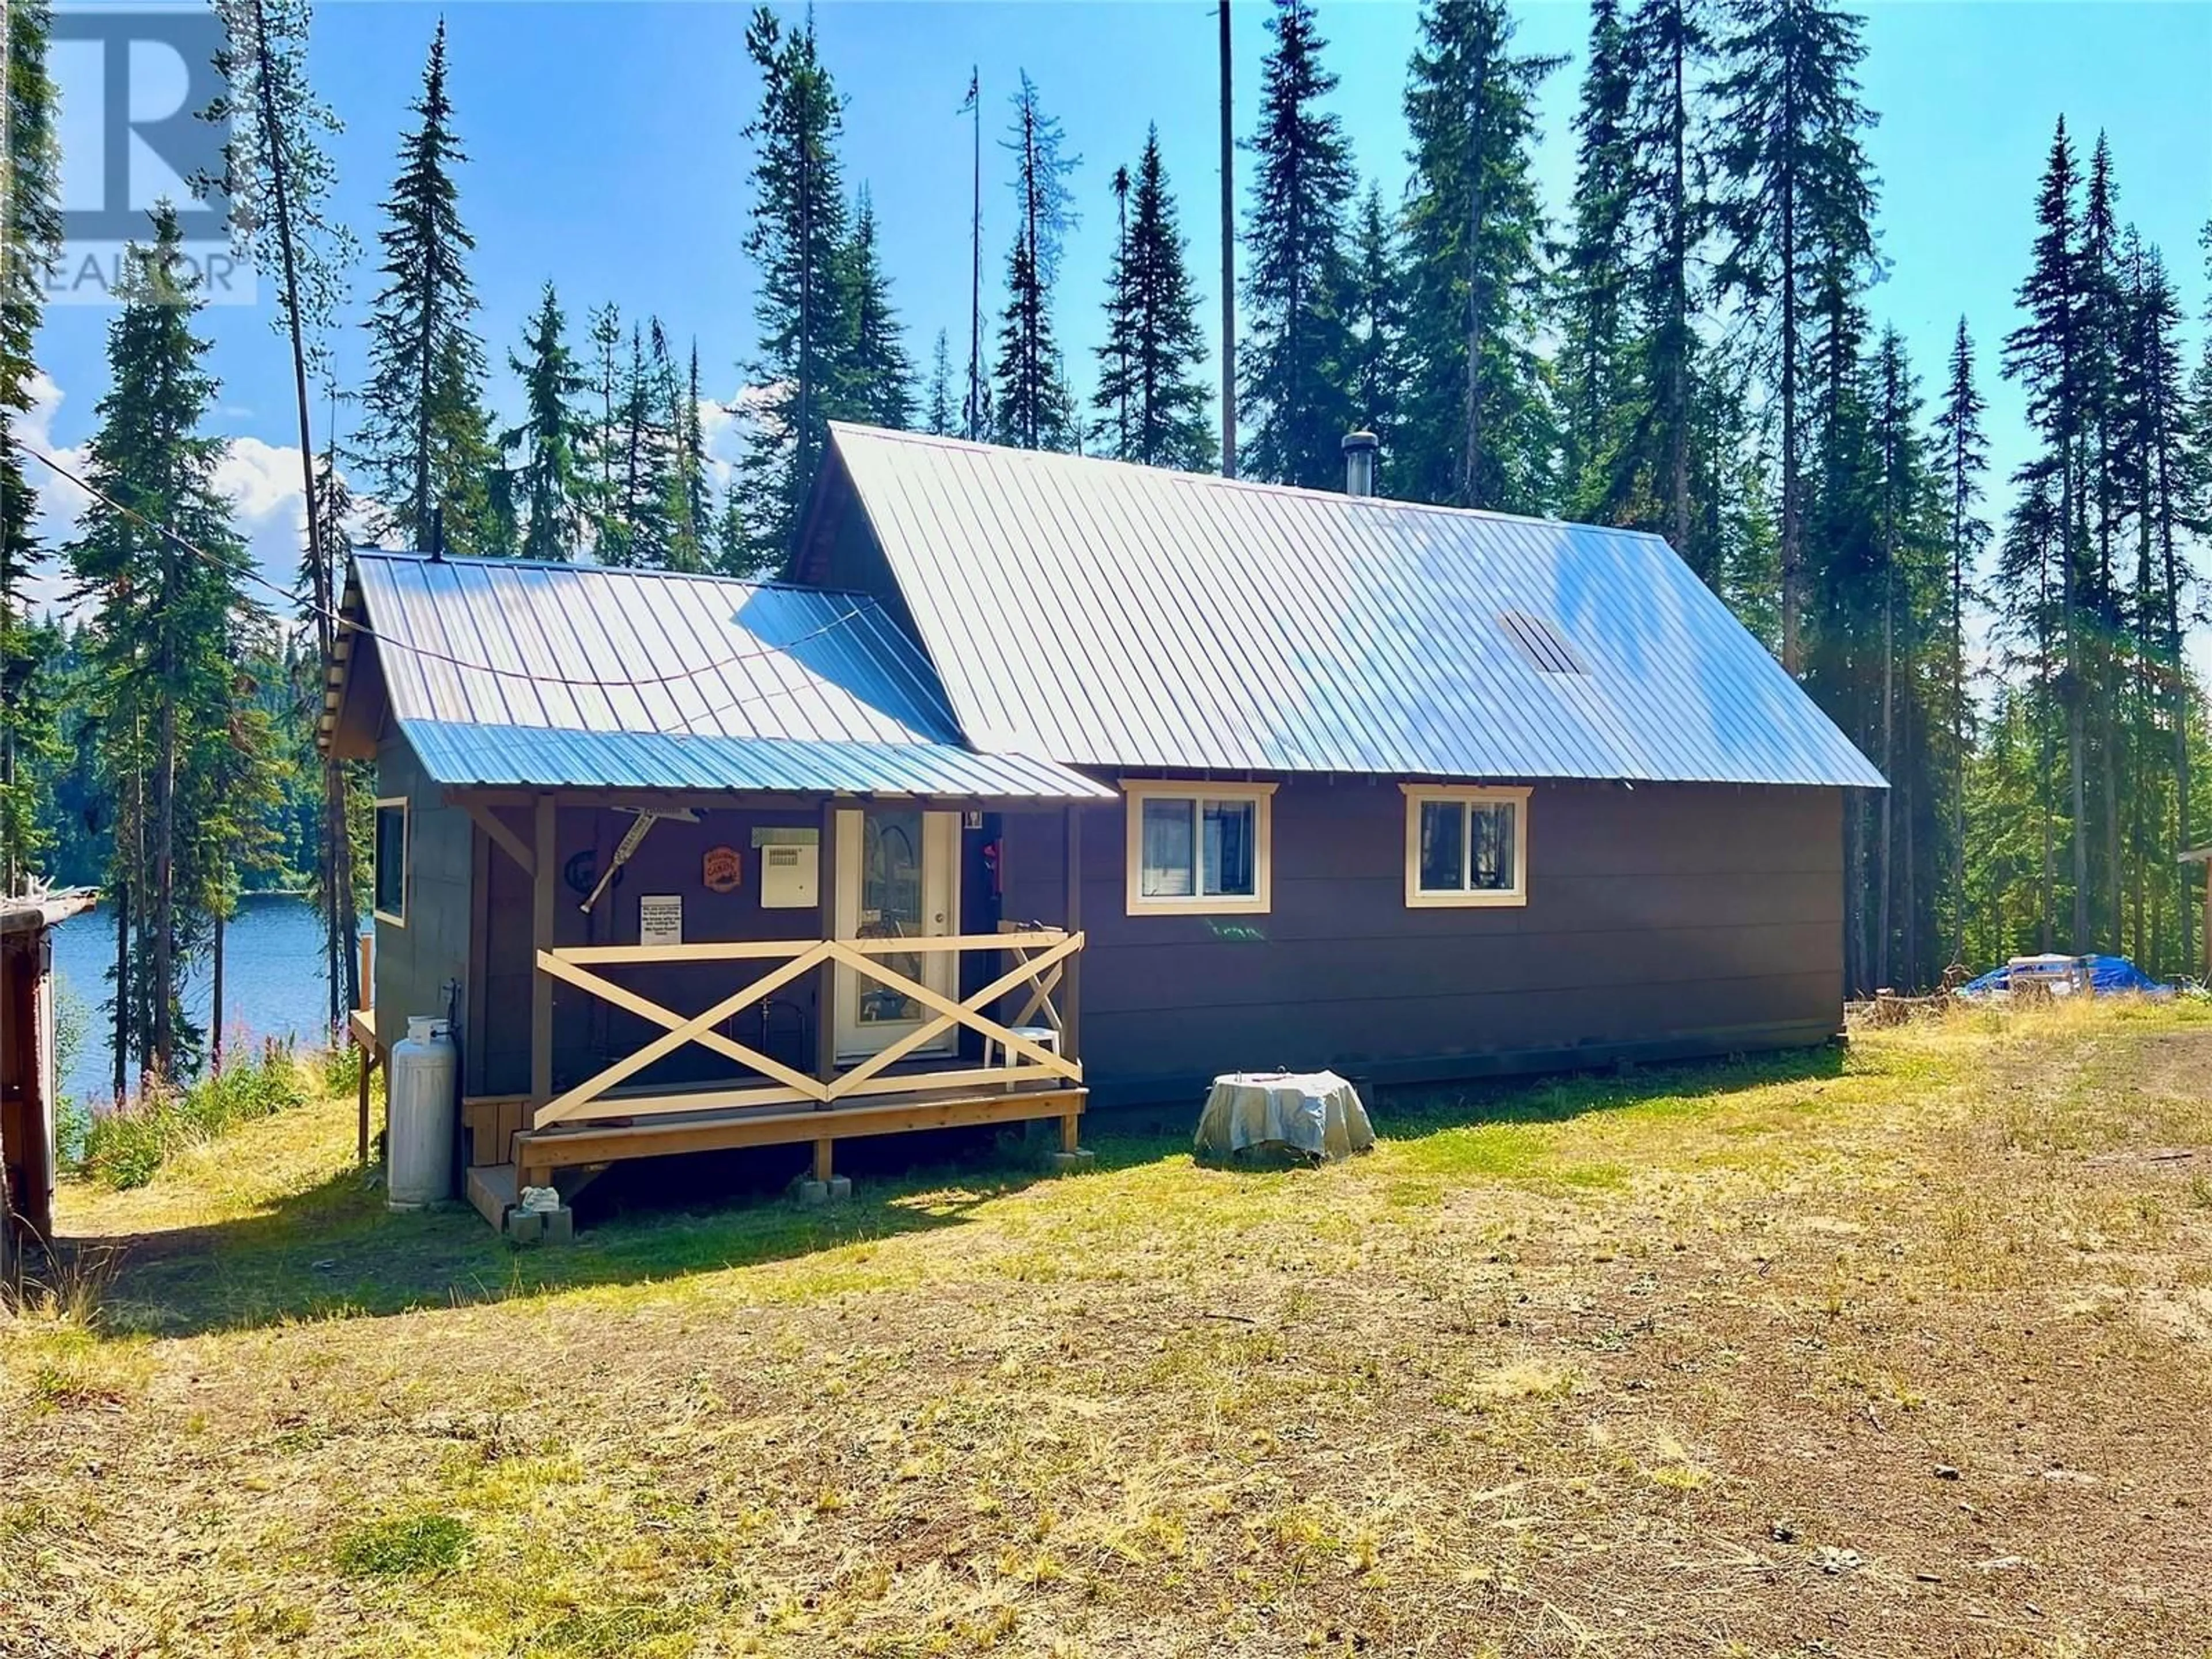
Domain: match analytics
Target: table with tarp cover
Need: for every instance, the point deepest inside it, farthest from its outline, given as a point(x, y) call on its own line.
point(1315, 1114)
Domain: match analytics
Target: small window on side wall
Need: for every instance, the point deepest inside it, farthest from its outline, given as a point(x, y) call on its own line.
point(390, 903)
point(1466, 847)
point(1198, 849)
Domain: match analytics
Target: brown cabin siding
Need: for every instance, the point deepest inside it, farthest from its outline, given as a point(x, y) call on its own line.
point(1662, 920)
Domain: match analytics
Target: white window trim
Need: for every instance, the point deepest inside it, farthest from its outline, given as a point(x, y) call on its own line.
point(406, 852)
point(1135, 793)
point(1417, 898)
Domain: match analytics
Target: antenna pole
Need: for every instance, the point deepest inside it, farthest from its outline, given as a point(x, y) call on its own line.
point(1228, 262)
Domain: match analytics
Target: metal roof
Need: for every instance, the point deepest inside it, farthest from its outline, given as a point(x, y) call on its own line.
point(1108, 614)
point(502, 672)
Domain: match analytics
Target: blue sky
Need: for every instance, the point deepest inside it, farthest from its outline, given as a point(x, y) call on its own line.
point(607, 153)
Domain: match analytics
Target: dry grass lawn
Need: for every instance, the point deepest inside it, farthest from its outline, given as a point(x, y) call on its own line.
point(1905, 1352)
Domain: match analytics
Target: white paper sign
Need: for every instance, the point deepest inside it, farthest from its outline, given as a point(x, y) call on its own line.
point(660, 918)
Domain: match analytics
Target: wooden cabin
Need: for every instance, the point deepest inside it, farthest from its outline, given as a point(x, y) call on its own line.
point(1055, 783)
point(29, 1061)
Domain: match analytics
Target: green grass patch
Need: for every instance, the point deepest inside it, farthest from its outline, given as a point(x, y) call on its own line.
point(403, 1546)
point(127, 1146)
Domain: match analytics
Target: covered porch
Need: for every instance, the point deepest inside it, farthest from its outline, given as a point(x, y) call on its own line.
point(710, 971)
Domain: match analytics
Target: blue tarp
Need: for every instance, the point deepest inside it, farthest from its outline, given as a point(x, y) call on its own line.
point(2108, 976)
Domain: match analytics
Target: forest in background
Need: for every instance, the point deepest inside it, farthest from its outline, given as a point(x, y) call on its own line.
point(1689, 344)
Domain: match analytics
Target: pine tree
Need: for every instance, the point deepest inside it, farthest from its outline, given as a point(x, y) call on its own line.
point(552, 486)
point(1667, 46)
point(1476, 429)
point(2153, 437)
point(800, 243)
point(1153, 346)
point(942, 412)
point(1373, 370)
point(425, 441)
point(1797, 215)
point(30, 236)
point(1115, 435)
point(279, 180)
point(692, 530)
point(1964, 457)
point(2047, 353)
point(1033, 409)
point(1296, 344)
point(600, 449)
point(1597, 392)
point(157, 555)
point(878, 376)
point(648, 448)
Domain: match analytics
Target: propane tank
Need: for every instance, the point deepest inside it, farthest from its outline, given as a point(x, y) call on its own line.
point(419, 1127)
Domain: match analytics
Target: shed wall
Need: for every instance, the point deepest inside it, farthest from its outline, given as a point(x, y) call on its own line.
point(1669, 920)
point(420, 964)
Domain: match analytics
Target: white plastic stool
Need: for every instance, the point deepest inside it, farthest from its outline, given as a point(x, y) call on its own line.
point(1043, 1035)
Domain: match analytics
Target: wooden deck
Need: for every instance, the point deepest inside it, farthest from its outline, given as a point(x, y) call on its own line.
point(539, 1153)
point(539, 1156)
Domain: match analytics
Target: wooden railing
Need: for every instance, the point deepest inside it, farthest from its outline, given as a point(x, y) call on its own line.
point(1039, 955)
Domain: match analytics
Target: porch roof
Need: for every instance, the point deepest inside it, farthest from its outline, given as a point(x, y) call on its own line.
point(461, 755)
point(514, 674)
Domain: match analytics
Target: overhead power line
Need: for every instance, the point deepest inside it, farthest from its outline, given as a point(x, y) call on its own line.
point(248, 572)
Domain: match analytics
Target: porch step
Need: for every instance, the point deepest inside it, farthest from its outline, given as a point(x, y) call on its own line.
point(492, 1190)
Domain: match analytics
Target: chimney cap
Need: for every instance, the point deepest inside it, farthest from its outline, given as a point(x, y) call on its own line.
point(1359, 440)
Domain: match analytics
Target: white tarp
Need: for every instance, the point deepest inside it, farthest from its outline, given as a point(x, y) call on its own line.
point(1316, 1113)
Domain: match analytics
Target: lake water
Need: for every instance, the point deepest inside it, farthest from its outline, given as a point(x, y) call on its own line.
point(275, 985)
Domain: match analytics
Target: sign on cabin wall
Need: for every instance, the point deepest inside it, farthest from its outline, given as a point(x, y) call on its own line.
point(723, 870)
point(660, 918)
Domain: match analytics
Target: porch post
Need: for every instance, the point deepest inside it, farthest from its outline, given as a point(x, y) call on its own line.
point(1071, 993)
point(825, 991)
point(543, 898)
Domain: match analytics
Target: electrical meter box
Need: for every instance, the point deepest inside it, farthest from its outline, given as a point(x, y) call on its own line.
point(791, 868)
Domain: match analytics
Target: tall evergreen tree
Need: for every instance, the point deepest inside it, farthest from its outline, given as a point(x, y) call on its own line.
point(1667, 46)
point(1797, 217)
point(426, 440)
point(648, 448)
point(941, 413)
point(1373, 370)
point(552, 486)
point(691, 527)
point(602, 455)
point(1596, 388)
point(1033, 409)
point(279, 179)
point(877, 375)
point(2047, 353)
point(1475, 427)
point(159, 558)
point(30, 236)
point(2154, 435)
point(799, 240)
point(1298, 275)
point(1963, 456)
point(1153, 347)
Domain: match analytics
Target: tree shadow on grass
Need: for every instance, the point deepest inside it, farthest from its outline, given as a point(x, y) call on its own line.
point(334, 1251)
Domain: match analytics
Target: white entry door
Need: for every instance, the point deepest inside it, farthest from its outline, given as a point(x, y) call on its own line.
point(898, 876)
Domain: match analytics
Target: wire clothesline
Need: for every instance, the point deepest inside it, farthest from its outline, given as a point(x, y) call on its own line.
point(360, 630)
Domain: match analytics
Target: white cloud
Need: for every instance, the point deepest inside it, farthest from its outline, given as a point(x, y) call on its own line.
point(261, 481)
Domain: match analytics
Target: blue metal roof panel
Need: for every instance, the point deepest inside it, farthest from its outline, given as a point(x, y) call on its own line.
point(502, 672)
point(464, 754)
point(1114, 616)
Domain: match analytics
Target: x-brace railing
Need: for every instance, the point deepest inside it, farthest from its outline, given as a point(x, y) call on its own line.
point(1027, 1059)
